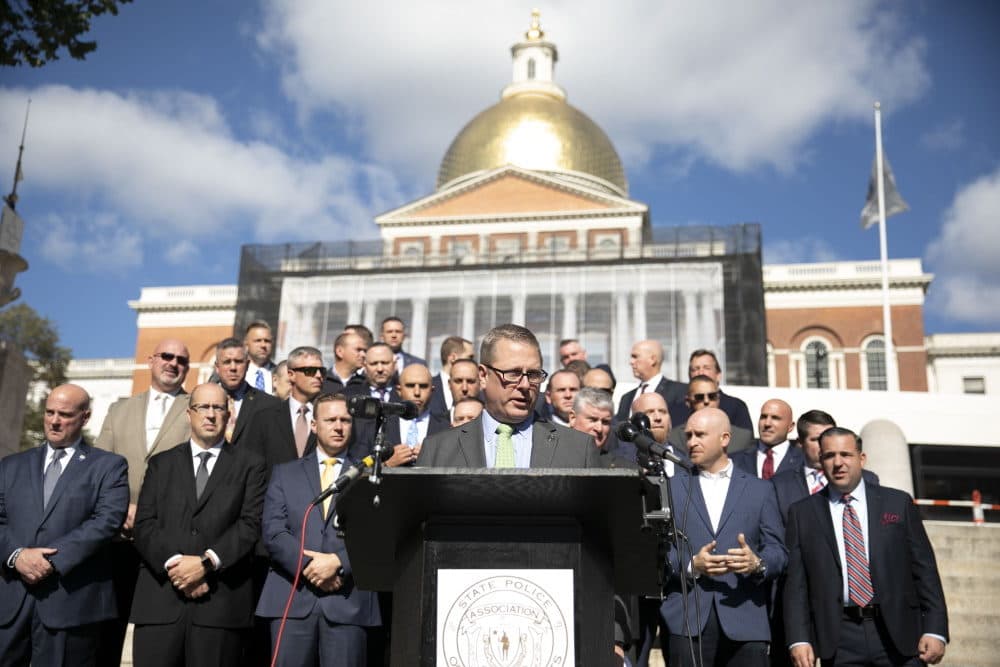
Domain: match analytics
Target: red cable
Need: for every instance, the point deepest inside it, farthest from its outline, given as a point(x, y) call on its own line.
point(295, 585)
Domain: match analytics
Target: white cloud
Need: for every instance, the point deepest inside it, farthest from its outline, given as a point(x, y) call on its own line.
point(741, 85)
point(946, 137)
point(168, 162)
point(967, 286)
point(181, 252)
point(98, 243)
point(801, 250)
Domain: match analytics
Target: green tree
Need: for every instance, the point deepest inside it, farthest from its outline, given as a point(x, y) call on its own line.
point(33, 31)
point(38, 339)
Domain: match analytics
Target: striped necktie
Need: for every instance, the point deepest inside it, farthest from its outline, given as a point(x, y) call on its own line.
point(859, 579)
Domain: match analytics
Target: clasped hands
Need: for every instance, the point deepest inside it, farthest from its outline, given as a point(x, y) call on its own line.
point(33, 565)
point(402, 455)
point(187, 575)
point(324, 571)
point(741, 560)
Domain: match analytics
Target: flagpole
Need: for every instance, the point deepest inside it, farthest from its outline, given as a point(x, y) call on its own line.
point(11, 199)
point(891, 373)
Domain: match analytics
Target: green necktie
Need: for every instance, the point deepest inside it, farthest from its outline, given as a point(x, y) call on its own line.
point(505, 447)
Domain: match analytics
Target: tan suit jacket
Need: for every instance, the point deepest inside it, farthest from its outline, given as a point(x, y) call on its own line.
point(124, 432)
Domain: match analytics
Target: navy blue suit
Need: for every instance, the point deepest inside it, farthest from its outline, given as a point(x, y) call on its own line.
point(746, 459)
point(293, 487)
point(740, 601)
point(671, 391)
point(85, 511)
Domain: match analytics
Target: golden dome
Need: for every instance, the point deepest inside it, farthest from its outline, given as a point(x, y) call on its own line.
point(538, 131)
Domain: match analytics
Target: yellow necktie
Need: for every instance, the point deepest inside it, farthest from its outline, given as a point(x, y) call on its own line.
point(325, 480)
point(505, 446)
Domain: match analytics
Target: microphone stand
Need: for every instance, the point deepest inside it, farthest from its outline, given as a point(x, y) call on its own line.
point(375, 477)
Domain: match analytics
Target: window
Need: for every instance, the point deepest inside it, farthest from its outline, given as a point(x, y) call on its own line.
point(874, 361)
point(974, 385)
point(531, 69)
point(818, 365)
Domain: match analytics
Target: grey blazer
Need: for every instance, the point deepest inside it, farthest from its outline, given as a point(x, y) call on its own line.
point(552, 446)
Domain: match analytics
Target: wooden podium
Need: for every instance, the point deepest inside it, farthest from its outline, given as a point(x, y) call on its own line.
point(420, 520)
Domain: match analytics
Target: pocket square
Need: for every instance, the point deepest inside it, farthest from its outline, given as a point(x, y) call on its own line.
point(888, 518)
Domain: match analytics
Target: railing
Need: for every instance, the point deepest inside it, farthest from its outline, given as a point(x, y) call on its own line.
point(978, 507)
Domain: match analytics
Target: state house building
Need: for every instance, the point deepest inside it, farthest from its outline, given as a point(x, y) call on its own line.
point(531, 222)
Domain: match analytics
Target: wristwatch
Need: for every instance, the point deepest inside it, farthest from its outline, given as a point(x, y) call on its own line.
point(760, 569)
point(207, 563)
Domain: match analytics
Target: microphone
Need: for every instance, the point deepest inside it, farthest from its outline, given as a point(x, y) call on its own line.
point(367, 407)
point(346, 478)
point(628, 432)
point(641, 421)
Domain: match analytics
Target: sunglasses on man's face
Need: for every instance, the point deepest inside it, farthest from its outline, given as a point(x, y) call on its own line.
point(309, 370)
point(170, 356)
point(704, 398)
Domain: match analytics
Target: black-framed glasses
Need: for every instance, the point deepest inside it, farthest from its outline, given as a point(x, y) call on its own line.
point(701, 398)
point(535, 376)
point(207, 408)
point(309, 370)
point(170, 356)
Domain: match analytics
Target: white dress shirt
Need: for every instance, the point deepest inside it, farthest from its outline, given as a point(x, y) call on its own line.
point(265, 371)
point(156, 411)
point(779, 454)
point(422, 421)
point(715, 486)
point(293, 411)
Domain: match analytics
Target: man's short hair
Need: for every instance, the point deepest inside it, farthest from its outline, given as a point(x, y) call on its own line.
point(328, 397)
point(510, 332)
point(392, 318)
point(282, 365)
point(702, 378)
point(469, 399)
point(257, 324)
point(835, 431)
point(228, 344)
point(566, 341)
point(813, 417)
point(465, 361)
point(578, 366)
point(303, 351)
point(452, 345)
point(701, 352)
point(378, 345)
point(341, 340)
point(595, 398)
point(561, 371)
point(362, 331)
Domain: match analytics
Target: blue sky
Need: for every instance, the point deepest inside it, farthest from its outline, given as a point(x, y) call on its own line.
point(200, 126)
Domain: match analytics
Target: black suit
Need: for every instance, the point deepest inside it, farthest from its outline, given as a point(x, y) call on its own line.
point(739, 414)
point(438, 404)
point(254, 400)
point(790, 486)
point(670, 390)
point(272, 437)
point(903, 571)
point(746, 459)
point(332, 384)
point(171, 520)
point(364, 434)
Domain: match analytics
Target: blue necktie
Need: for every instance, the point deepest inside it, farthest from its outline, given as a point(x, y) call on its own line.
point(413, 435)
point(259, 380)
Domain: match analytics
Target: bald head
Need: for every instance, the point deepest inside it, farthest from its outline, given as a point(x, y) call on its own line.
point(654, 406)
point(646, 359)
point(67, 410)
point(775, 422)
point(598, 378)
point(415, 385)
point(707, 433)
point(169, 365)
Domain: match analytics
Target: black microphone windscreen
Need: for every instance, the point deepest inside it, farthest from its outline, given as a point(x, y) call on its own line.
point(641, 421)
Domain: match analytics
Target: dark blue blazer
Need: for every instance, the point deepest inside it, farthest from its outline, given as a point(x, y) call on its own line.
point(740, 600)
point(746, 460)
point(293, 486)
point(86, 510)
point(671, 391)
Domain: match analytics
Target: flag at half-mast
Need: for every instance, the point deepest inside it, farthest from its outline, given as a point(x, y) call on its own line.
point(893, 200)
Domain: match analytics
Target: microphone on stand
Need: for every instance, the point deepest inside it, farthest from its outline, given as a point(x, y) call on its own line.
point(352, 474)
point(366, 407)
point(628, 432)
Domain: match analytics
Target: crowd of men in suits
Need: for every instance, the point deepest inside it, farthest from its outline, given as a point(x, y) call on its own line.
point(185, 518)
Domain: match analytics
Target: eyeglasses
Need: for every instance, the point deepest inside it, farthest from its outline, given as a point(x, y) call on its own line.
point(535, 376)
point(208, 408)
point(309, 370)
point(170, 356)
point(414, 385)
point(701, 398)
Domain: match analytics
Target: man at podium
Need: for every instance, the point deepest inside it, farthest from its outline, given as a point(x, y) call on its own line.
point(507, 434)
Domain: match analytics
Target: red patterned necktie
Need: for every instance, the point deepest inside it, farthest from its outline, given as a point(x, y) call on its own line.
point(818, 482)
point(859, 579)
point(767, 471)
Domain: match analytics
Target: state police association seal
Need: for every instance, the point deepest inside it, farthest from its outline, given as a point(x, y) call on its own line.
point(505, 621)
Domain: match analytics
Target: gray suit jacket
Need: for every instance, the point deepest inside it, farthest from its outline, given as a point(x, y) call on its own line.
point(552, 446)
point(124, 433)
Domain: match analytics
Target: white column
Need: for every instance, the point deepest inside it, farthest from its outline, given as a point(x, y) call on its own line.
point(690, 324)
point(517, 308)
point(368, 319)
point(418, 328)
point(708, 333)
point(469, 318)
point(354, 309)
point(639, 316)
point(569, 315)
point(620, 343)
